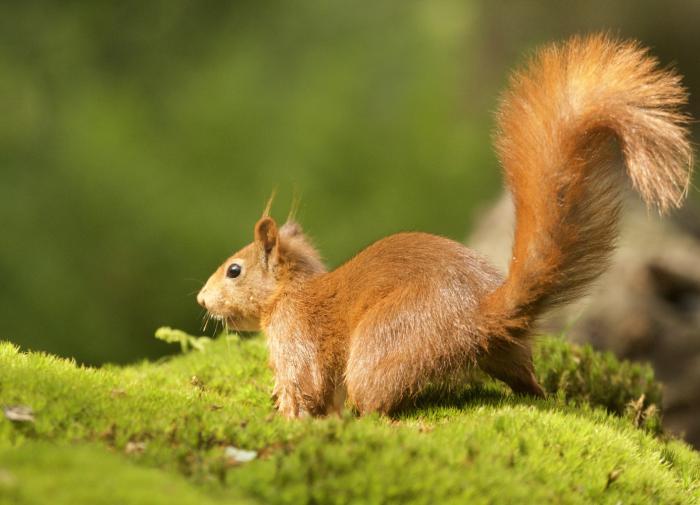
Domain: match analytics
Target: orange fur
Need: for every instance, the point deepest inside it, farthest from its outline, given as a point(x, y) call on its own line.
point(414, 308)
point(554, 127)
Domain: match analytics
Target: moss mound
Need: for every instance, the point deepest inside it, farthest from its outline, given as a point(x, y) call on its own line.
point(166, 432)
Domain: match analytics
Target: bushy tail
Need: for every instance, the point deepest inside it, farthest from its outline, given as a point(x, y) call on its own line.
point(555, 127)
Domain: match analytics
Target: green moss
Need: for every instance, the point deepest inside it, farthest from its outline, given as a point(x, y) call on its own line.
point(581, 375)
point(159, 431)
point(45, 473)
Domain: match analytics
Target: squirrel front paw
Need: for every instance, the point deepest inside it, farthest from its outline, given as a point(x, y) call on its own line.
point(288, 404)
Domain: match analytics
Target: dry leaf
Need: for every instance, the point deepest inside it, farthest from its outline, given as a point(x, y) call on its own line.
point(117, 393)
point(613, 476)
point(19, 413)
point(236, 455)
point(135, 447)
point(196, 382)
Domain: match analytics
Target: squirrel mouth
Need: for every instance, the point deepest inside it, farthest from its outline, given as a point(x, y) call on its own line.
point(240, 324)
point(235, 323)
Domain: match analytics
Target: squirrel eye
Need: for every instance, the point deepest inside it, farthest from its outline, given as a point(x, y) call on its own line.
point(234, 270)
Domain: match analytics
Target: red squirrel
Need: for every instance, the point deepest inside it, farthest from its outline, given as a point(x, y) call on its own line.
point(415, 309)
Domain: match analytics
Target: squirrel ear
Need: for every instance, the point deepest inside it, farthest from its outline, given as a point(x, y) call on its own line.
point(266, 236)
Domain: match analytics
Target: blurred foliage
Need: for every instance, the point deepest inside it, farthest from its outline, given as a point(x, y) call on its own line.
point(139, 141)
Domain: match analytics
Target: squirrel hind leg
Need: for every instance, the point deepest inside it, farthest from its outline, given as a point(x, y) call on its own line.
point(391, 363)
point(512, 364)
point(381, 388)
point(383, 370)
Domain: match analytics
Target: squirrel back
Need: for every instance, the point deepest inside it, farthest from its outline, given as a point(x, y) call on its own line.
point(556, 129)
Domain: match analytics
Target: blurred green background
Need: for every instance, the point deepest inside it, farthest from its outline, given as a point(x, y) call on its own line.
point(140, 140)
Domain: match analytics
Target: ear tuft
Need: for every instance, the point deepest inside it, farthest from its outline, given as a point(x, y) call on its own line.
point(268, 205)
point(266, 234)
point(291, 229)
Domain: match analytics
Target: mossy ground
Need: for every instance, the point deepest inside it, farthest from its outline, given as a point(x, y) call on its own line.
point(157, 432)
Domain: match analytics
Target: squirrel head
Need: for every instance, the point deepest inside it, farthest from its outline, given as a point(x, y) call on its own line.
point(242, 289)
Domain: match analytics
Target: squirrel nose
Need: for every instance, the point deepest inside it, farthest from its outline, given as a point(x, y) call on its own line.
point(201, 300)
